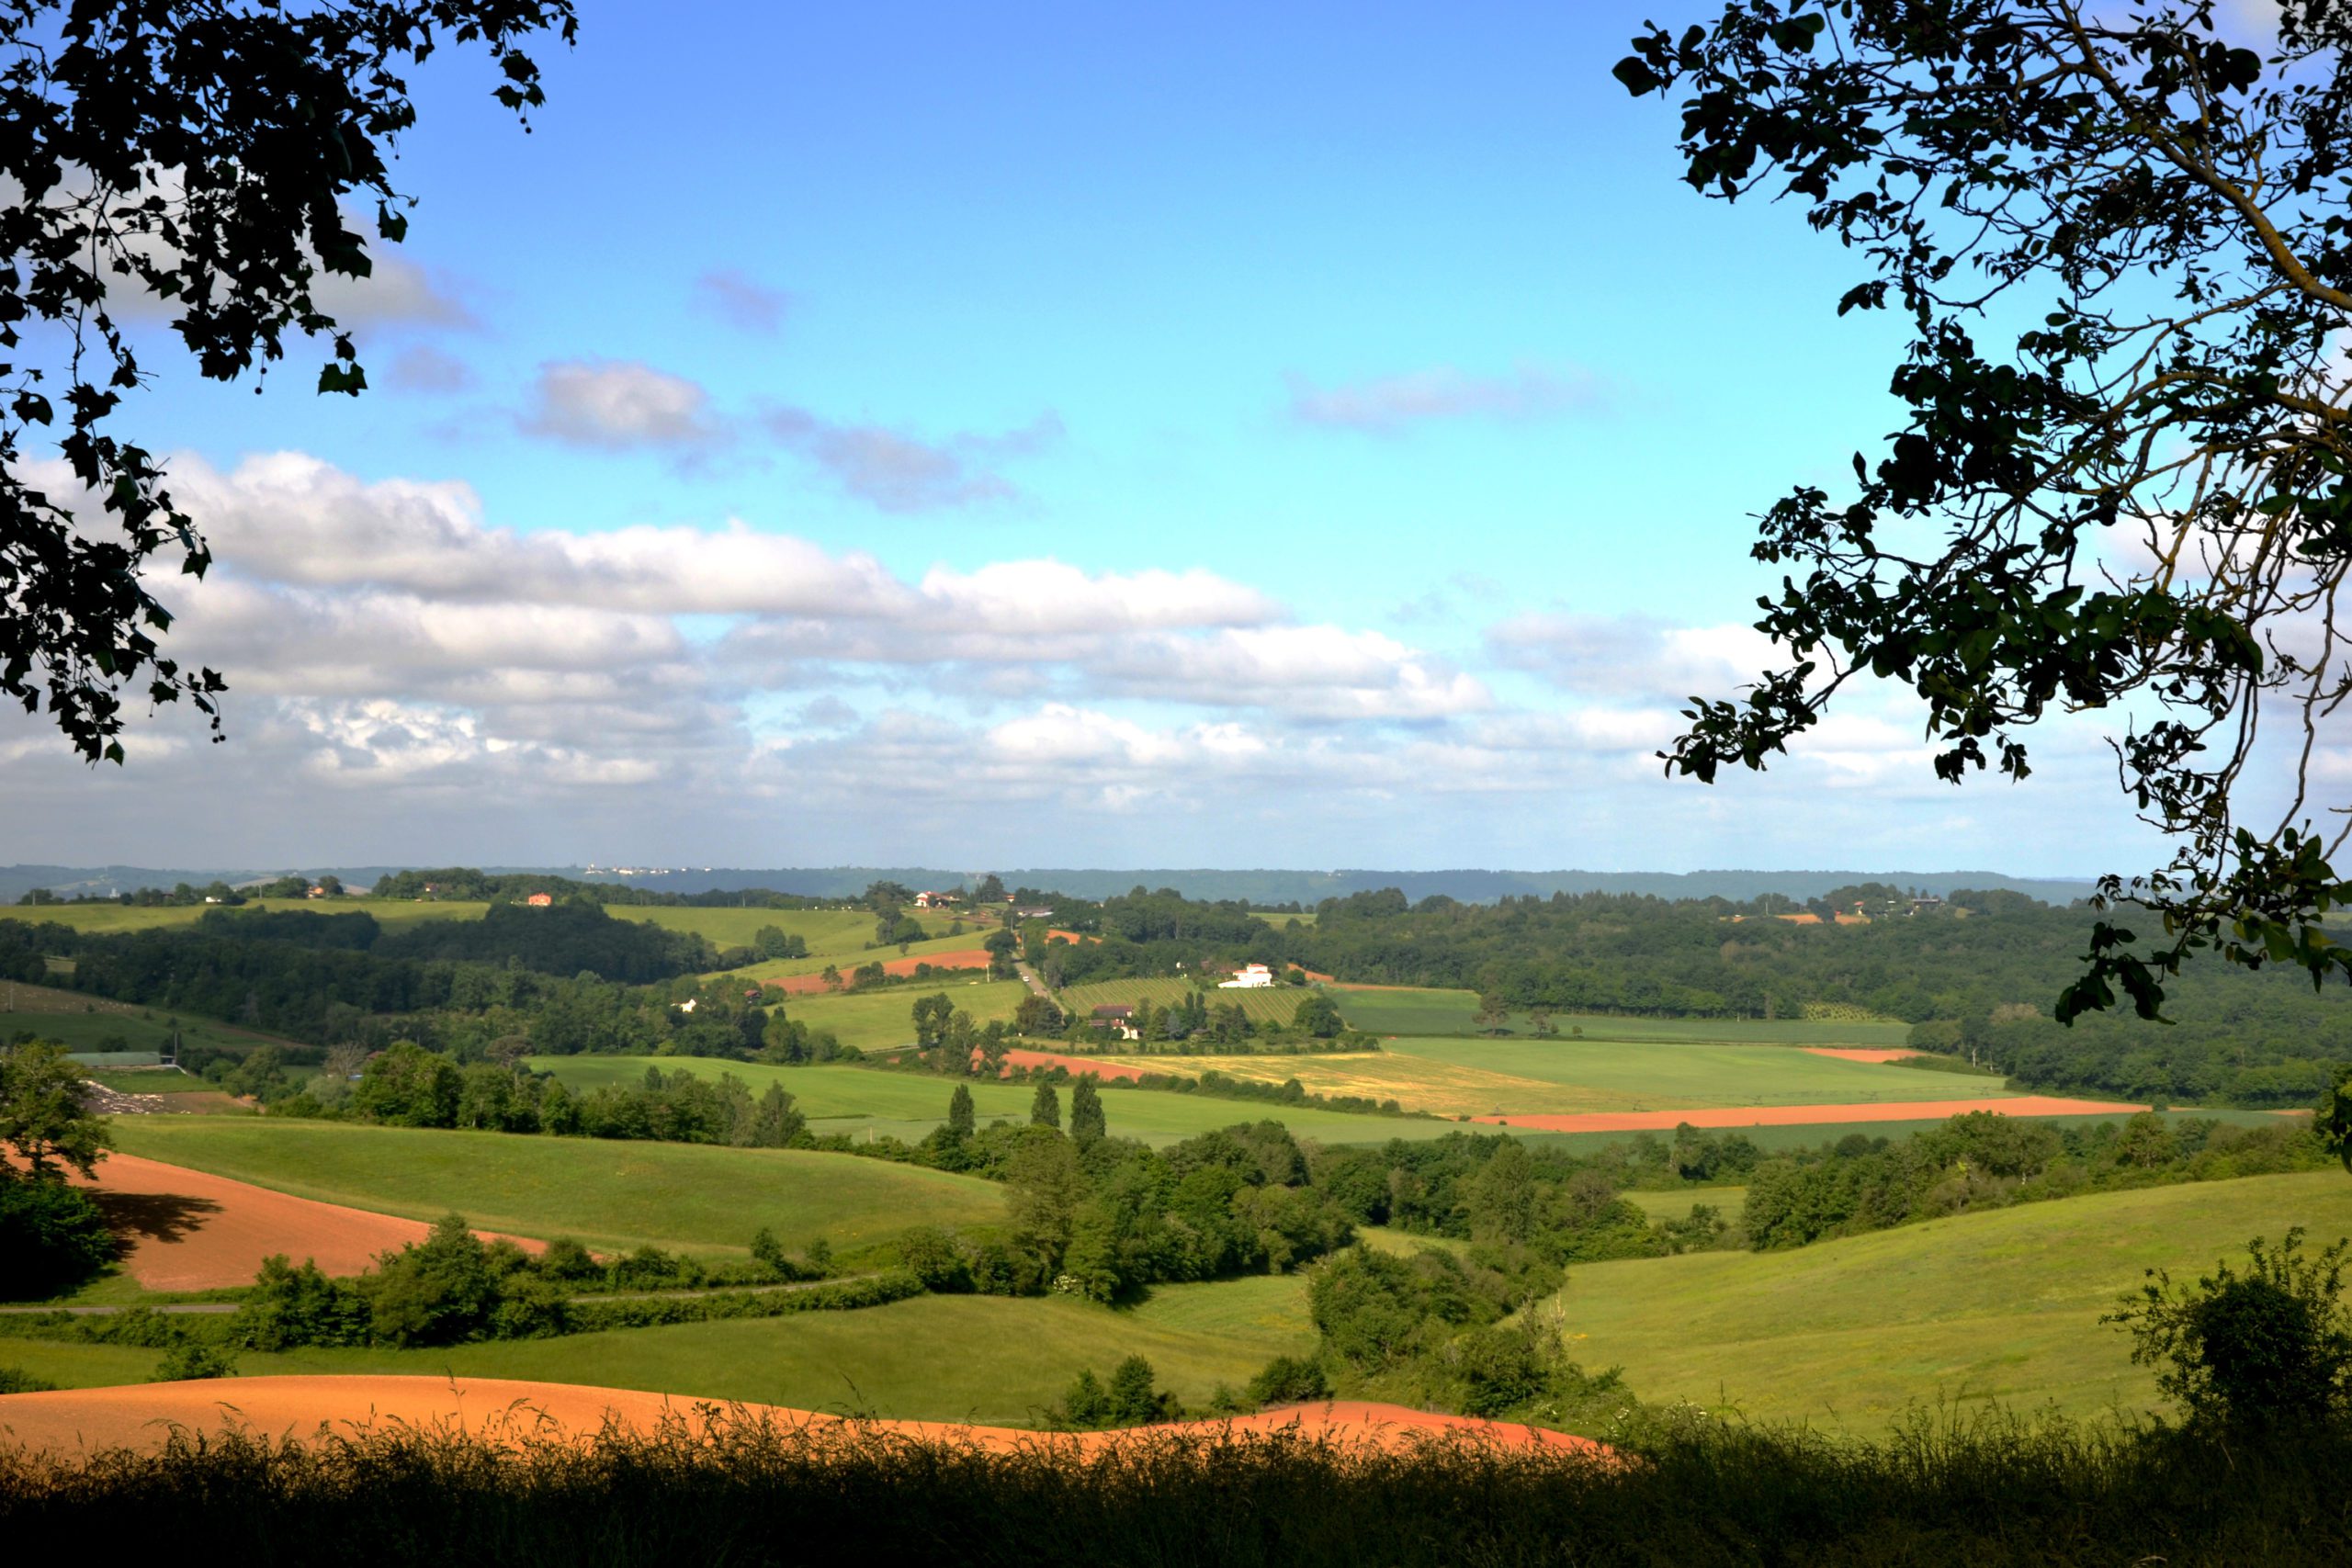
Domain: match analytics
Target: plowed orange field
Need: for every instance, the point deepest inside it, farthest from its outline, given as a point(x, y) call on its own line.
point(1109, 1072)
point(187, 1230)
point(1859, 1053)
point(136, 1415)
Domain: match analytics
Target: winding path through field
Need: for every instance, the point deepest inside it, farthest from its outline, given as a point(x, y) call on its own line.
point(76, 1420)
point(1808, 1115)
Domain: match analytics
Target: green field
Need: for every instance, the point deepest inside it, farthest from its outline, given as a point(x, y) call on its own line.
point(1381, 1012)
point(91, 1023)
point(1728, 1202)
point(609, 1195)
point(858, 1101)
point(1265, 1004)
point(2001, 1305)
point(982, 1359)
point(127, 917)
point(848, 957)
point(883, 1019)
point(1490, 1077)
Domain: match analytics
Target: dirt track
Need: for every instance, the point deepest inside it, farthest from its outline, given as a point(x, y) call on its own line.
point(810, 984)
point(1808, 1115)
point(73, 1420)
point(188, 1230)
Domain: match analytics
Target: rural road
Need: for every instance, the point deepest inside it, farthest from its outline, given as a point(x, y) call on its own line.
point(1034, 984)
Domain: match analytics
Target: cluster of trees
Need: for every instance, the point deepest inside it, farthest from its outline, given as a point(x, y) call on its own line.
point(1984, 1161)
point(460, 884)
point(409, 1086)
point(53, 1235)
point(454, 1287)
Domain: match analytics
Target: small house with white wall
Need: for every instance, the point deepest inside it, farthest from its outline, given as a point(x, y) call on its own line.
point(1249, 977)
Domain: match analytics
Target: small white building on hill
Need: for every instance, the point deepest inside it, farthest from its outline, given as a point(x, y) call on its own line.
point(1249, 977)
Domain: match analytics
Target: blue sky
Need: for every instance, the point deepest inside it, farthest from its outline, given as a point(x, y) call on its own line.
point(1045, 436)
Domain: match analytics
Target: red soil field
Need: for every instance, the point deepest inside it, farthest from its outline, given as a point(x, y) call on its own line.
point(807, 985)
point(1109, 1072)
point(187, 1230)
point(1807, 1115)
point(1860, 1053)
point(67, 1421)
point(1073, 937)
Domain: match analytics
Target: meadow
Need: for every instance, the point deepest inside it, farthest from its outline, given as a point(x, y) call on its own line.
point(612, 1196)
point(1477, 1076)
point(992, 1360)
point(135, 918)
point(93, 1024)
point(846, 955)
point(1264, 1004)
point(1399, 1011)
point(883, 1019)
point(2002, 1305)
point(867, 1100)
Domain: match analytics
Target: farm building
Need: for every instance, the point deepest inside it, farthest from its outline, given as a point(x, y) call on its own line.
point(1249, 977)
point(540, 900)
point(937, 900)
point(1119, 1018)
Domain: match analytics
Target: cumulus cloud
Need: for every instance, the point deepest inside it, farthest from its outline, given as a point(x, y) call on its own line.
point(899, 472)
point(742, 301)
point(616, 405)
point(1388, 406)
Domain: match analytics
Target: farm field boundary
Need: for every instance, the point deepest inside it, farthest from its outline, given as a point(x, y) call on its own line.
point(2030, 1105)
point(1262, 1004)
point(1408, 1011)
point(963, 961)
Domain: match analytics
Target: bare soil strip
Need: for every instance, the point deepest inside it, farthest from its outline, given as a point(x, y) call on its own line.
point(1109, 1072)
point(1808, 1115)
point(69, 1421)
point(1859, 1053)
point(809, 985)
point(188, 1230)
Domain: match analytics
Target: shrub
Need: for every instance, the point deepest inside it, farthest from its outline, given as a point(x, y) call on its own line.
point(53, 1237)
point(2273, 1344)
point(1289, 1379)
point(16, 1379)
point(188, 1361)
point(291, 1306)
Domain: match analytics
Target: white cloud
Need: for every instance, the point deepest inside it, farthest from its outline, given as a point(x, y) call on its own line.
point(899, 472)
point(620, 405)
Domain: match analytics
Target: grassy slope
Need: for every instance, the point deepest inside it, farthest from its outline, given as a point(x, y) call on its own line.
point(849, 1098)
point(1997, 1305)
point(1474, 1077)
point(1270, 1004)
point(936, 1358)
point(608, 1194)
point(885, 1019)
point(849, 954)
point(145, 1030)
point(1451, 1013)
point(118, 917)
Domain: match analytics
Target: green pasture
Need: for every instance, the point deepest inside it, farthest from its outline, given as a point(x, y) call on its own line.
point(985, 1359)
point(1276, 919)
point(862, 1100)
point(883, 1019)
point(1403, 1012)
point(2002, 1305)
point(850, 956)
point(129, 918)
point(1676, 1203)
point(1530, 1076)
point(93, 1024)
point(610, 1195)
point(1813, 1134)
point(825, 930)
point(1264, 1004)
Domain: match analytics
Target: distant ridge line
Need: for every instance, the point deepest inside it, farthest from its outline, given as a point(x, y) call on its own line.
point(1258, 886)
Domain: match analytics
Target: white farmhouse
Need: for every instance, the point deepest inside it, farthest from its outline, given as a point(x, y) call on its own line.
point(1249, 978)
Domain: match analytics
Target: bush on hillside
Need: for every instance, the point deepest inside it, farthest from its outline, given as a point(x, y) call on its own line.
point(2271, 1345)
point(52, 1237)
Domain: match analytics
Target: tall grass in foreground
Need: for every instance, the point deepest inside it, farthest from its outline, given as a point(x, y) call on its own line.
point(722, 1490)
